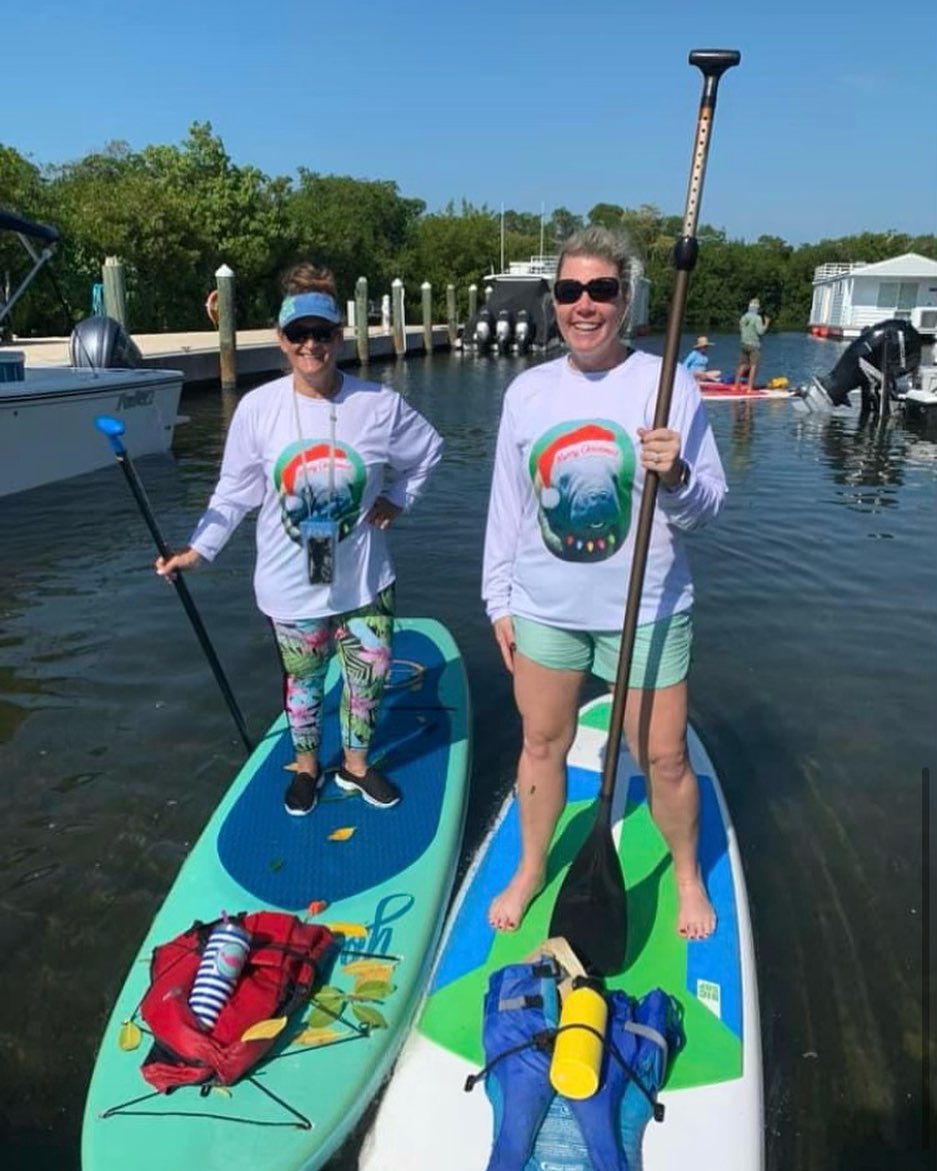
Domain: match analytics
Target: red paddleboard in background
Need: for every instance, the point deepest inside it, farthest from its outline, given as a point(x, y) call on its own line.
point(729, 390)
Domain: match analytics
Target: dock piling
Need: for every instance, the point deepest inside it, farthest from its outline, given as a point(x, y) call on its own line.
point(115, 289)
point(397, 317)
point(426, 289)
point(361, 319)
point(227, 334)
point(451, 321)
point(473, 300)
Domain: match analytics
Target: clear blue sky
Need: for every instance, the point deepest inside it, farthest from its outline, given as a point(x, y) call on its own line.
point(826, 128)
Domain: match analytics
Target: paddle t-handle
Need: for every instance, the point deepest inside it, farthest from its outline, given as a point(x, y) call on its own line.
point(113, 429)
point(712, 63)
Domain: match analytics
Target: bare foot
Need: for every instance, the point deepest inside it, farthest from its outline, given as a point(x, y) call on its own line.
point(696, 918)
point(509, 907)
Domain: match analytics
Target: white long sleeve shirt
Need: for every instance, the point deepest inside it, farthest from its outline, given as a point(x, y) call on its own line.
point(295, 457)
point(566, 492)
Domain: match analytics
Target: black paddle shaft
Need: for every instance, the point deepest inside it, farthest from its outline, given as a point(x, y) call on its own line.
point(182, 590)
point(712, 63)
point(591, 909)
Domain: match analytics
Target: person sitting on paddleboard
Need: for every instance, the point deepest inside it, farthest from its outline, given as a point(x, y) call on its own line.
point(574, 442)
point(697, 361)
point(330, 461)
point(752, 326)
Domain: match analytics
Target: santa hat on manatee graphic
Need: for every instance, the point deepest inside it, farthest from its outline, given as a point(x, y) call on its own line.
point(313, 479)
point(582, 476)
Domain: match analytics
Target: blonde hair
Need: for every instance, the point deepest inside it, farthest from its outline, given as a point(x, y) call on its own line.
point(613, 246)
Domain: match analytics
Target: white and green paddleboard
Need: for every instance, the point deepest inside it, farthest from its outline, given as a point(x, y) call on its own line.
point(713, 1091)
point(388, 881)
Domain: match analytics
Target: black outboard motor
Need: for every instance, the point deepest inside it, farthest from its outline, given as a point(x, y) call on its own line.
point(504, 327)
point(522, 331)
point(101, 343)
point(879, 356)
point(483, 334)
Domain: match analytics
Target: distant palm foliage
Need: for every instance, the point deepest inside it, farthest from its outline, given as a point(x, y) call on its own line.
point(174, 214)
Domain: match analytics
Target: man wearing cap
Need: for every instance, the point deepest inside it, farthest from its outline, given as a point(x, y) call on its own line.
point(752, 325)
point(697, 361)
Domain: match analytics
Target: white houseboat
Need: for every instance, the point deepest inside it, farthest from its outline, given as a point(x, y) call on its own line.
point(849, 296)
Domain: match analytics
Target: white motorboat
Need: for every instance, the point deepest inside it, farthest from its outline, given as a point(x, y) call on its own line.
point(518, 316)
point(47, 430)
point(47, 413)
point(921, 395)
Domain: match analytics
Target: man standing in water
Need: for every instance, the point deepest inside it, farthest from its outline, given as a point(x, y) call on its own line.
point(752, 326)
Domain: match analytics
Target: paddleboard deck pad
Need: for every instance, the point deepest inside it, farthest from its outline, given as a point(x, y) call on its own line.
point(384, 876)
point(713, 1090)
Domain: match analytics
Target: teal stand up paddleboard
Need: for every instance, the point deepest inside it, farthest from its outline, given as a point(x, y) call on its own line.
point(379, 878)
point(712, 1092)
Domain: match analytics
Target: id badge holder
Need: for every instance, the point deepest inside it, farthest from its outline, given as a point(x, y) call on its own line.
point(319, 538)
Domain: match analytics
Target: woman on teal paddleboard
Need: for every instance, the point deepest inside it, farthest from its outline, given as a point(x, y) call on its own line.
point(329, 461)
point(574, 442)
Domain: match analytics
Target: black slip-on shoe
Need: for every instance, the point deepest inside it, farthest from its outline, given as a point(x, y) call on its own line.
point(374, 787)
point(302, 794)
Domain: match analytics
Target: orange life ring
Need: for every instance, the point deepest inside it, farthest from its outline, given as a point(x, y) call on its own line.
point(211, 307)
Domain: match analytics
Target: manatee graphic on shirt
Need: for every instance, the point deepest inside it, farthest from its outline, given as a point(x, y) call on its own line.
point(582, 475)
point(307, 489)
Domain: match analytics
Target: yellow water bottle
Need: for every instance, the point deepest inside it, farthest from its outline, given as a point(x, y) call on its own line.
point(577, 1053)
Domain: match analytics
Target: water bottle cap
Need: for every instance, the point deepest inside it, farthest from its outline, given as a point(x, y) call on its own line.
point(233, 946)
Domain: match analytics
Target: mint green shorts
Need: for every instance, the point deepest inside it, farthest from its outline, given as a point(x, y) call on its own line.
point(661, 650)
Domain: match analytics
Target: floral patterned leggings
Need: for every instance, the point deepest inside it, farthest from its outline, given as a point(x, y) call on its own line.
point(361, 639)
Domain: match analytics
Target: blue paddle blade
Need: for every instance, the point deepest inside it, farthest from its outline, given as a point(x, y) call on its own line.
point(112, 429)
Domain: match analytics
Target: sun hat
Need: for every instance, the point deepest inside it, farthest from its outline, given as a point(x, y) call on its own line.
point(701, 342)
point(308, 305)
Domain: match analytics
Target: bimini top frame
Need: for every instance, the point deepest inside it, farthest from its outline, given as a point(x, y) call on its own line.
point(39, 240)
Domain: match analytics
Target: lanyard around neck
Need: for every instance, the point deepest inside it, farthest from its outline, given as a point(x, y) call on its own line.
point(302, 452)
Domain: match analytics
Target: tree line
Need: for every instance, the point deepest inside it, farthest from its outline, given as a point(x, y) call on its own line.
point(174, 214)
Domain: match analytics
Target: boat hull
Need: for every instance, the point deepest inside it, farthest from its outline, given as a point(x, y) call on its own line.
point(47, 430)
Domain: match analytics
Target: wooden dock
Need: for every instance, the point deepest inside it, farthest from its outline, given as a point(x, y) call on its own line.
point(196, 354)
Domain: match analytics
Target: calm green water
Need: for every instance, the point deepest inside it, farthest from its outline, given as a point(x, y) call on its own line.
point(813, 685)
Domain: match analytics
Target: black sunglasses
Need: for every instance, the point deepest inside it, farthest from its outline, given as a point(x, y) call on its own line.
point(296, 334)
point(600, 288)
